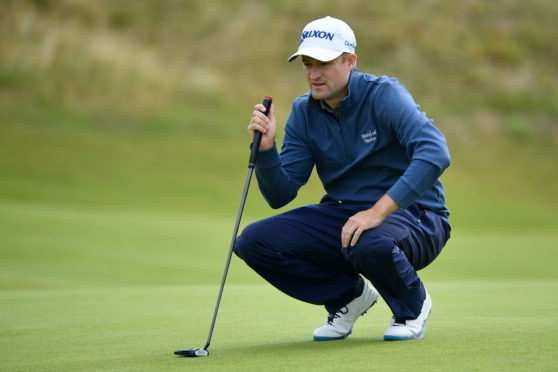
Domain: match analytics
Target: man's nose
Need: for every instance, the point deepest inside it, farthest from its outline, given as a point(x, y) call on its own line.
point(315, 72)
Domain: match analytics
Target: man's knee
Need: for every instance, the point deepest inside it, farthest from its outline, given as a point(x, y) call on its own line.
point(251, 243)
point(245, 242)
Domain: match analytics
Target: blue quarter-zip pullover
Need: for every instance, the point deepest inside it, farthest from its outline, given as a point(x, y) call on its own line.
point(378, 142)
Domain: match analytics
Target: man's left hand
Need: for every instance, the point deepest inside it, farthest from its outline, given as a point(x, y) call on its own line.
point(366, 220)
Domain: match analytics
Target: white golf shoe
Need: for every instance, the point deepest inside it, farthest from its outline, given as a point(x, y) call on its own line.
point(340, 324)
point(411, 329)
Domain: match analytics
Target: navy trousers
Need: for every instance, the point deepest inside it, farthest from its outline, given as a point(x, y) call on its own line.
point(300, 253)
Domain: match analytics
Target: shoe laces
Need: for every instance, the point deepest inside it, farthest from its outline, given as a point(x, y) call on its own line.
point(337, 314)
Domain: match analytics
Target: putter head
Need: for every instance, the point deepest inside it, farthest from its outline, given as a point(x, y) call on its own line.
point(192, 353)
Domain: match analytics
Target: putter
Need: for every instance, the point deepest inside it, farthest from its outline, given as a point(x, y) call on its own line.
point(251, 164)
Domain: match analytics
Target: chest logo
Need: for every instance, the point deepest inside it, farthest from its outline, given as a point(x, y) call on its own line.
point(369, 136)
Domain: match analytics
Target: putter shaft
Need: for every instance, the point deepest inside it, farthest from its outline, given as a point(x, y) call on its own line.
point(251, 165)
point(229, 256)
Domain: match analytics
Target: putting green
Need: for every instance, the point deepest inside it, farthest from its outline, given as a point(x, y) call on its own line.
point(99, 288)
point(475, 325)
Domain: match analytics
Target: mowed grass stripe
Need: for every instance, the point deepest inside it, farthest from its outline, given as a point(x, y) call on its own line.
point(50, 245)
point(46, 245)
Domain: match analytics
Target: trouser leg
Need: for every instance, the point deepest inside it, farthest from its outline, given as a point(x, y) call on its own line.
point(390, 255)
point(298, 252)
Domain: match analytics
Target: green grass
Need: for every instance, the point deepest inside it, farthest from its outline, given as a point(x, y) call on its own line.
point(113, 242)
point(99, 288)
point(475, 326)
point(56, 246)
point(123, 152)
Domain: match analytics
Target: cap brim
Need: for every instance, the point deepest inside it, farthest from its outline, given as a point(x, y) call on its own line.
point(324, 55)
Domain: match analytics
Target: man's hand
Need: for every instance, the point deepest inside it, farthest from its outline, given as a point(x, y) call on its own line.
point(265, 124)
point(366, 220)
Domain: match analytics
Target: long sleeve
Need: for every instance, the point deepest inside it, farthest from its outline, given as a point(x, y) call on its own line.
point(425, 145)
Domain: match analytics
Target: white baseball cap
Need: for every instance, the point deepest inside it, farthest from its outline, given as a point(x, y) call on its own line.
point(325, 39)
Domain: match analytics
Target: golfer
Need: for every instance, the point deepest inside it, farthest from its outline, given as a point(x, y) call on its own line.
point(383, 216)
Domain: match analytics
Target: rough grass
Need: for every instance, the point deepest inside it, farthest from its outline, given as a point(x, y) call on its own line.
point(461, 60)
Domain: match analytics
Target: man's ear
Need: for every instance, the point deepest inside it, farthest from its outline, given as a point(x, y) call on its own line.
point(352, 59)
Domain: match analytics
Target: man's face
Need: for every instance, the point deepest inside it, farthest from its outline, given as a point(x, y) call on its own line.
point(328, 80)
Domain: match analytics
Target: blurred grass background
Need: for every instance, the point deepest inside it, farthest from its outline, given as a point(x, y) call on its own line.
point(139, 108)
point(123, 152)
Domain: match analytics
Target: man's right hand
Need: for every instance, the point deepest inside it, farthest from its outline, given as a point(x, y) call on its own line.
point(265, 124)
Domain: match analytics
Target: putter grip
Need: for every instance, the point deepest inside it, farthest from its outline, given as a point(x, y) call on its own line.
point(258, 135)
